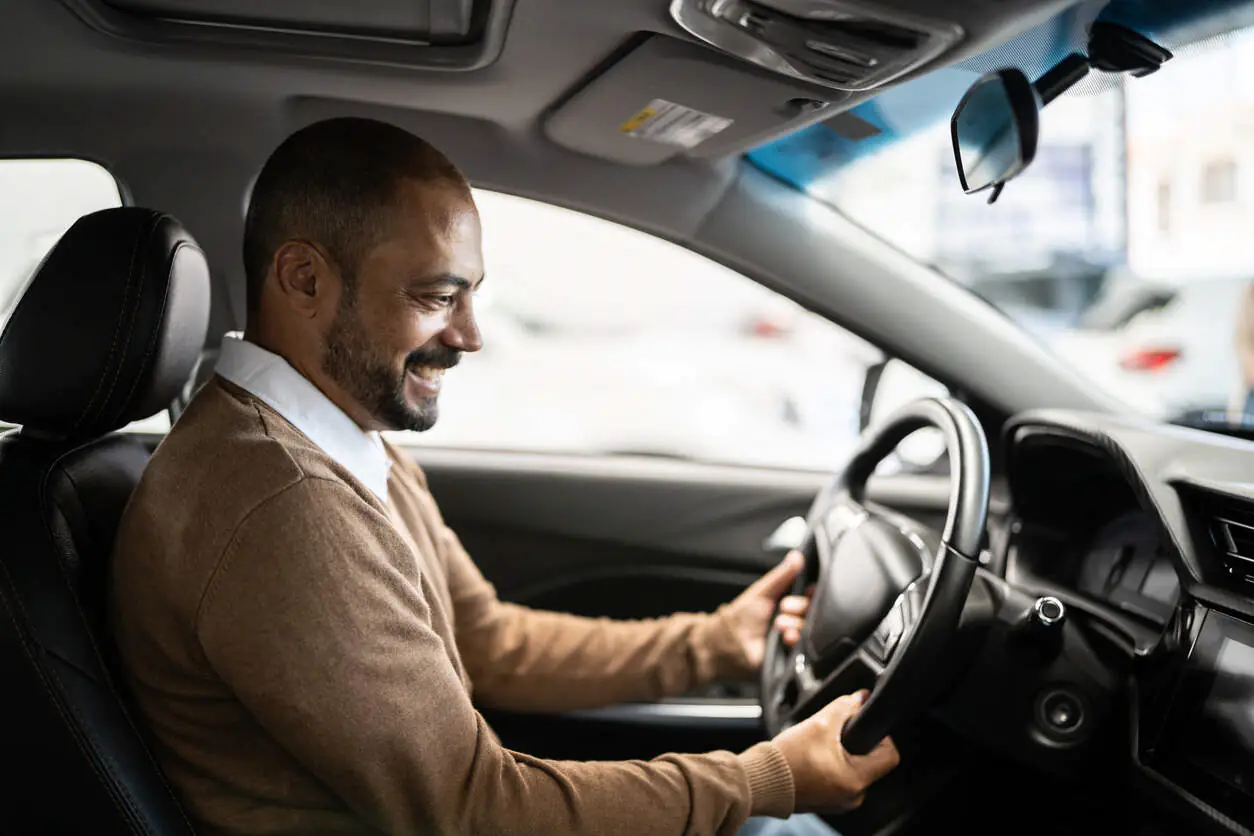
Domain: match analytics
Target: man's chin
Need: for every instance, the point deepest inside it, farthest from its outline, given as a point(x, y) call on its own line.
point(401, 415)
point(422, 417)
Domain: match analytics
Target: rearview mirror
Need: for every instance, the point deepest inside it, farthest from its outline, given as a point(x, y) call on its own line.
point(995, 129)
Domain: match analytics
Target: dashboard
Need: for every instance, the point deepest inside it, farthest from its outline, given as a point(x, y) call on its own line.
point(1125, 564)
point(1147, 533)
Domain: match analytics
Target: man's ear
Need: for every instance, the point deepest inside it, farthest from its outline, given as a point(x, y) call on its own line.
point(303, 277)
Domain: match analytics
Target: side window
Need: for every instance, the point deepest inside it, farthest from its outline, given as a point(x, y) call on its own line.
point(599, 339)
point(39, 200)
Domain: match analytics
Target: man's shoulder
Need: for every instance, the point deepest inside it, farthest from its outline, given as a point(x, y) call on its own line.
point(225, 456)
point(221, 452)
point(232, 448)
point(226, 461)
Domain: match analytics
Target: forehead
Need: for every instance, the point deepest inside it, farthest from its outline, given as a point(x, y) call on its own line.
point(438, 219)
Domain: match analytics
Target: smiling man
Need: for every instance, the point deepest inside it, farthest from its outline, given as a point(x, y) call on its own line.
point(301, 630)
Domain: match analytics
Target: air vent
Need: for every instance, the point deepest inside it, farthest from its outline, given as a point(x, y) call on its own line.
point(1230, 526)
point(840, 44)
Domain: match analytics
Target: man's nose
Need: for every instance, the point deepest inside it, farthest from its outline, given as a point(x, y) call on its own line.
point(463, 329)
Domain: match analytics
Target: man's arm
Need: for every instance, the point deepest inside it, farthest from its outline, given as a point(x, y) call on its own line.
point(319, 624)
point(531, 660)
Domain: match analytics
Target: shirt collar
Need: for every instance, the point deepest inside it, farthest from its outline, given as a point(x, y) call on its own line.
point(270, 378)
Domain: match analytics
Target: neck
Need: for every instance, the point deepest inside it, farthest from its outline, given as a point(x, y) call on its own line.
point(312, 371)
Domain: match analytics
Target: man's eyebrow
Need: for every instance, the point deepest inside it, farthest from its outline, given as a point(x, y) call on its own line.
point(448, 278)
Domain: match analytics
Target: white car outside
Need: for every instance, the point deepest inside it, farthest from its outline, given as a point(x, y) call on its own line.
point(1172, 359)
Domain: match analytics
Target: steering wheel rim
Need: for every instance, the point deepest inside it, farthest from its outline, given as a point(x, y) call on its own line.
point(901, 629)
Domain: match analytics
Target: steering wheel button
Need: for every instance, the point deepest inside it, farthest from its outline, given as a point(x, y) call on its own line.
point(891, 627)
point(892, 642)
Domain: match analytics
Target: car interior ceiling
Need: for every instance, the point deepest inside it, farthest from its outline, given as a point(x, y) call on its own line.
point(530, 103)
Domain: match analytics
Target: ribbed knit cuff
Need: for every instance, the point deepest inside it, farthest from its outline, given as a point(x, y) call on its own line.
point(770, 781)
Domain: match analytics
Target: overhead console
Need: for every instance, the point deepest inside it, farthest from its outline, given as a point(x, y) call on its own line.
point(426, 34)
point(844, 45)
point(746, 72)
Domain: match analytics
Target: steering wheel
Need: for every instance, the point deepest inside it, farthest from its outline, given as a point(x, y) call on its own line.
point(886, 606)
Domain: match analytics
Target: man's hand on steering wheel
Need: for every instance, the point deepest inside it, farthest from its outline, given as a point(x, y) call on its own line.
point(750, 614)
point(826, 778)
point(882, 606)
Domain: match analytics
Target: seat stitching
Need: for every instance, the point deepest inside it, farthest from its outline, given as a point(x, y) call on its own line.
point(108, 679)
point(116, 781)
point(70, 663)
point(150, 351)
point(117, 330)
point(138, 303)
point(63, 710)
point(84, 728)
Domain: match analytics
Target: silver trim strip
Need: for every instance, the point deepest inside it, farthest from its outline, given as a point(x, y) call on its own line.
point(676, 712)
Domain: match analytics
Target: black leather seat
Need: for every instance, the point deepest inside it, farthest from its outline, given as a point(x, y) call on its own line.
point(108, 332)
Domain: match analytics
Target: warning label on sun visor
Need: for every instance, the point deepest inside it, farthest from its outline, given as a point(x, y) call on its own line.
point(673, 124)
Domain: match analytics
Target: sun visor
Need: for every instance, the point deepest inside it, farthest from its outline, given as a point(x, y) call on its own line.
point(436, 34)
point(666, 97)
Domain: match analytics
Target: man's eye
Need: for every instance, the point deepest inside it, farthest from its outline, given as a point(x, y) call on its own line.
point(442, 301)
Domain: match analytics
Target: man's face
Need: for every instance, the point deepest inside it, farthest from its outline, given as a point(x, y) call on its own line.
point(408, 315)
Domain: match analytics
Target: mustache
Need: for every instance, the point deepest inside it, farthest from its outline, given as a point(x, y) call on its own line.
point(441, 357)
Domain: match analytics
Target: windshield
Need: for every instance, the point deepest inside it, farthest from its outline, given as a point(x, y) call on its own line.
point(1127, 246)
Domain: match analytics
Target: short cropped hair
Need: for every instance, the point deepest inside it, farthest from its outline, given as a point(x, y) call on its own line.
point(331, 183)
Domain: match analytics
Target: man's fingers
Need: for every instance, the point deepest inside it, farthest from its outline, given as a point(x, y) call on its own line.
point(876, 763)
point(841, 709)
point(794, 605)
point(777, 581)
point(784, 623)
point(881, 760)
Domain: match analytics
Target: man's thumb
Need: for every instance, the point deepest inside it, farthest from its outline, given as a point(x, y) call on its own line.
point(777, 581)
point(842, 708)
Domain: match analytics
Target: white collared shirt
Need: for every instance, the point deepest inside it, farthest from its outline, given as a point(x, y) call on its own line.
point(268, 376)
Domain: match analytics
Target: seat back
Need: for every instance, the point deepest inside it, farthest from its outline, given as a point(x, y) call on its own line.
point(108, 332)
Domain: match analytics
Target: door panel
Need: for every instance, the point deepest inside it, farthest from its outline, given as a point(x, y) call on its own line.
point(533, 517)
point(534, 523)
point(632, 538)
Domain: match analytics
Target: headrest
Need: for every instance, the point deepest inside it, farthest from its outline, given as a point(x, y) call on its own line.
point(110, 327)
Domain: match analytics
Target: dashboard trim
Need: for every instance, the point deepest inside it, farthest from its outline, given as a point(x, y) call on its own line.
point(1157, 460)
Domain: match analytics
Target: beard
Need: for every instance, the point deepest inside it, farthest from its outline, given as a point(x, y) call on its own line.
point(368, 375)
